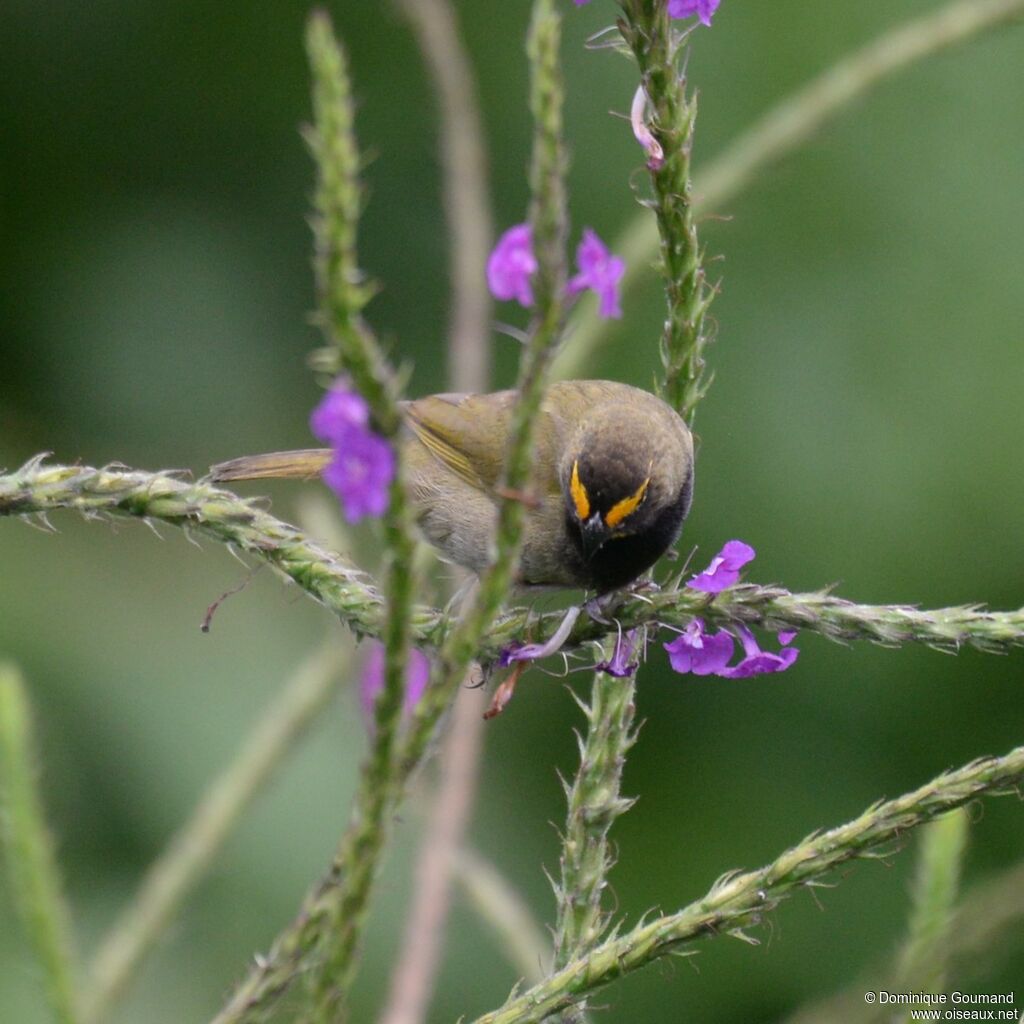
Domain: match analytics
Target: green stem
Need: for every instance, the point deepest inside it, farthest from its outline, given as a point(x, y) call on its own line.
point(35, 881)
point(657, 48)
point(924, 960)
point(594, 804)
point(739, 901)
point(200, 508)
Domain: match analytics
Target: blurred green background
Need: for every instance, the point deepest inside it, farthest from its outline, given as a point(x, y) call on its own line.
point(864, 428)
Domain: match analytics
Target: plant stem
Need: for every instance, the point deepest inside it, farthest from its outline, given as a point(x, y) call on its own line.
point(739, 901)
point(29, 847)
point(924, 960)
point(467, 209)
point(657, 48)
point(594, 803)
point(38, 489)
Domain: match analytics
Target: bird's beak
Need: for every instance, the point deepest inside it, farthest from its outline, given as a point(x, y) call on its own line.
point(595, 533)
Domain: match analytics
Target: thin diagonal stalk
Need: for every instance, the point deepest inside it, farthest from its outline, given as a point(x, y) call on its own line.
point(781, 131)
point(595, 802)
point(982, 918)
point(658, 49)
point(467, 209)
point(739, 901)
point(924, 960)
point(498, 904)
point(38, 489)
point(29, 849)
point(192, 850)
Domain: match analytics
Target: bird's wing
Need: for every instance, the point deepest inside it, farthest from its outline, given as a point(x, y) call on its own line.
point(469, 433)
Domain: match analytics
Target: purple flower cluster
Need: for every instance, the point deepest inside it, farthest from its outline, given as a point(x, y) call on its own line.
point(512, 264)
point(363, 464)
point(371, 682)
point(708, 654)
point(684, 8)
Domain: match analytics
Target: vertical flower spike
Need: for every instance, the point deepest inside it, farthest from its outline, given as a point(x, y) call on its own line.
point(363, 466)
point(511, 265)
point(600, 271)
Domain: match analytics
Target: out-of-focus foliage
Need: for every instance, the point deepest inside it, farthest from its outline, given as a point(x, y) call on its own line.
point(864, 427)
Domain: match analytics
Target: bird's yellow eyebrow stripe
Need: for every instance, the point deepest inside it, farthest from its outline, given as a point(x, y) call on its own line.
point(580, 498)
point(627, 506)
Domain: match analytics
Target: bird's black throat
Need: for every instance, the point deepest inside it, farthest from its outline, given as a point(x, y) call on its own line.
point(622, 559)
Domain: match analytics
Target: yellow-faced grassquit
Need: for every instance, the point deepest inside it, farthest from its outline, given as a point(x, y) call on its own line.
point(612, 480)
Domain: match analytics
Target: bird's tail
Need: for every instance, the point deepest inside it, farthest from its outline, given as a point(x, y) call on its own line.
point(303, 465)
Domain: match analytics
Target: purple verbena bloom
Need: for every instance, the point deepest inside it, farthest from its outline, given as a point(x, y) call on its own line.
point(700, 652)
point(687, 8)
point(724, 569)
point(619, 665)
point(757, 661)
point(600, 271)
point(511, 265)
point(363, 464)
point(787, 636)
point(371, 681)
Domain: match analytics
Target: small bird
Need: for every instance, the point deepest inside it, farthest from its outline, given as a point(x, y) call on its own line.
point(611, 485)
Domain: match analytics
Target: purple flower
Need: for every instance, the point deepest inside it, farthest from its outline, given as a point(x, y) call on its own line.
point(708, 654)
point(371, 682)
point(363, 465)
point(600, 271)
point(620, 666)
point(703, 654)
point(787, 637)
point(686, 8)
point(757, 661)
point(724, 569)
point(511, 265)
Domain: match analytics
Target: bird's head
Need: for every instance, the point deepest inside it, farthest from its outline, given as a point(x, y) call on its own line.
point(621, 474)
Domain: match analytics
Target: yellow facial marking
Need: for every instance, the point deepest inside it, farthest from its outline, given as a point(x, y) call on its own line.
point(580, 498)
point(620, 510)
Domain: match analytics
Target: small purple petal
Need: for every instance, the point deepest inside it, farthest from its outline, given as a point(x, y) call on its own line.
point(699, 652)
point(757, 661)
point(511, 264)
point(620, 666)
point(724, 569)
point(363, 463)
point(599, 271)
point(761, 663)
point(787, 637)
point(687, 8)
point(371, 680)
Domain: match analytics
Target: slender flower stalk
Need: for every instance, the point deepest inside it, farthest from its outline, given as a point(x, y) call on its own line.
point(37, 490)
point(739, 901)
point(594, 803)
point(658, 50)
point(924, 960)
point(29, 851)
